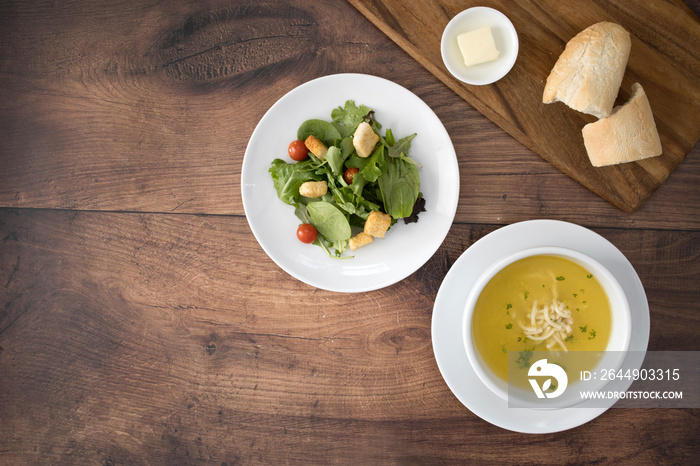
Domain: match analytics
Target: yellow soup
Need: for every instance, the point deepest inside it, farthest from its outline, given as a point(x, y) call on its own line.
point(540, 303)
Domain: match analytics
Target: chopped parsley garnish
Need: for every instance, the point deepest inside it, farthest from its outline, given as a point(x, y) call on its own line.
point(509, 326)
point(523, 360)
point(560, 278)
point(503, 348)
point(584, 329)
point(592, 334)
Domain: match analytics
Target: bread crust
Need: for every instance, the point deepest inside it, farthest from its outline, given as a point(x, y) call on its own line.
point(588, 73)
point(315, 146)
point(377, 224)
point(359, 240)
point(313, 189)
point(628, 135)
point(364, 139)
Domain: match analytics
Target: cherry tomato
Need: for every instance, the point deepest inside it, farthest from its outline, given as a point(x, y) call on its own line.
point(297, 150)
point(349, 174)
point(307, 233)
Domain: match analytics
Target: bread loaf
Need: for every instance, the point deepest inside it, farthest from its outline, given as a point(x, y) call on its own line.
point(588, 74)
point(629, 134)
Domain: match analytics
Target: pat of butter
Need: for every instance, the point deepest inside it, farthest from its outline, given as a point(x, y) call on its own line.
point(478, 46)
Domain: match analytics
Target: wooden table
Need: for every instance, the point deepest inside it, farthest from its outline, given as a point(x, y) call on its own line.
point(140, 321)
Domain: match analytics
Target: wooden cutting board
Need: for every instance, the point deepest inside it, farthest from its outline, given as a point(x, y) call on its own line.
point(664, 59)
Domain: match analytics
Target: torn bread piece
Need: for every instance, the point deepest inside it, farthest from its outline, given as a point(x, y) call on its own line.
point(364, 139)
point(313, 189)
point(588, 73)
point(628, 135)
point(377, 224)
point(359, 240)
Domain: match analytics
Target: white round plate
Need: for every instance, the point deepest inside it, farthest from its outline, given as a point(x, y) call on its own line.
point(504, 35)
point(449, 349)
point(406, 247)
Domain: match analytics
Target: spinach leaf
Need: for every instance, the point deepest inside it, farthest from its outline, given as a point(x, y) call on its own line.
point(323, 130)
point(347, 147)
point(335, 160)
point(329, 221)
point(303, 214)
point(399, 186)
point(288, 177)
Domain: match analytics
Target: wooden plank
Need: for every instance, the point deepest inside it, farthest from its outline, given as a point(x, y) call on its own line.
point(142, 338)
point(663, 60)
point(141, 110)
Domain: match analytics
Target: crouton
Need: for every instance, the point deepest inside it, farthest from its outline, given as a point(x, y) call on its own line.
point(377, 224)
point(364, 139)
point(359, 240)
point(315, 146)
point(313, 189)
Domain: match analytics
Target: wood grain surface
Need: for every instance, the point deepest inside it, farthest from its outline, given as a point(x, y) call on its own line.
point(140, 321)
point(155, 344)
point(664, 60)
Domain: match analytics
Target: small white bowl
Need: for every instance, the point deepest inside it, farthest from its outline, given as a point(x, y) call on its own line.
point(621, 322)
point(504, 35)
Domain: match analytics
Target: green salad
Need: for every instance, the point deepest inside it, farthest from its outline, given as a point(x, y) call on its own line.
point(349, 184)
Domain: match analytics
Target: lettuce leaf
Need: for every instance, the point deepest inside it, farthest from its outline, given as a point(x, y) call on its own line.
point(346, 119)
point(287, 178)
point(401, 147)
point(399, 185)
point(375, 166)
